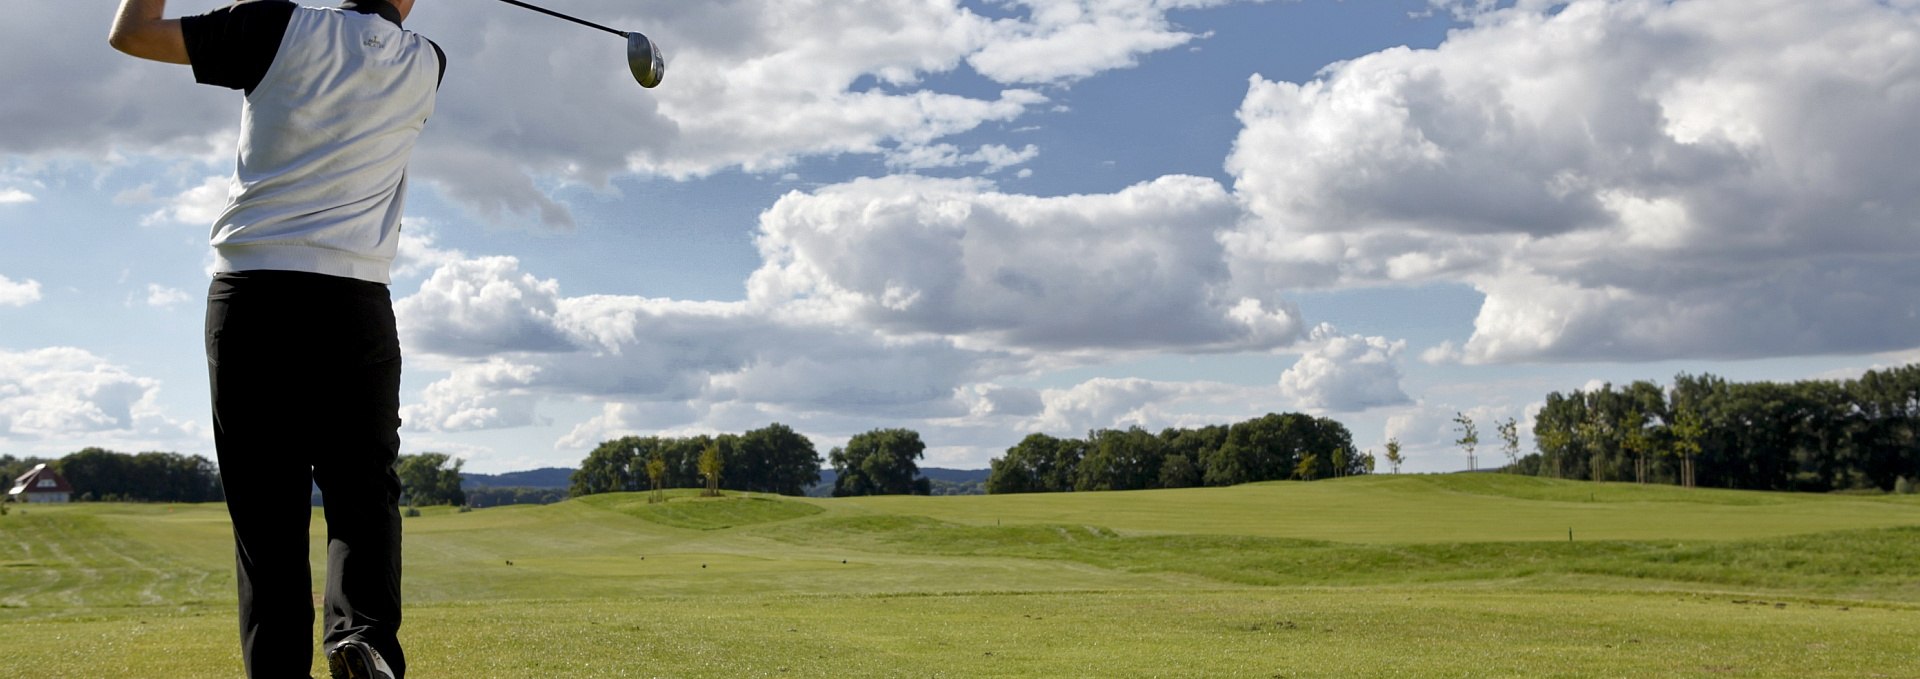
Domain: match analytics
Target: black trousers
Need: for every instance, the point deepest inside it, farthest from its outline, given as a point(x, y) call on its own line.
point(305, 371)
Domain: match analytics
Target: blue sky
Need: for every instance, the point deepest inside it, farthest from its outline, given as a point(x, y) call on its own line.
point(984, 219)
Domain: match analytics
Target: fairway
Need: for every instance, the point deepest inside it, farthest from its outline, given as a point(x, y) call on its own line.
point(1418, 576)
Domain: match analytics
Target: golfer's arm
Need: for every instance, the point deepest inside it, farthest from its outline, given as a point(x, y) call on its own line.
point(138, 30)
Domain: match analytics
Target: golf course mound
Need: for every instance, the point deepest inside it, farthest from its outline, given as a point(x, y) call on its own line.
point(687, 509)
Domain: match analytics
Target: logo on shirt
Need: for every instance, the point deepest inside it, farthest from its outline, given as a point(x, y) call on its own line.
point(374, 41)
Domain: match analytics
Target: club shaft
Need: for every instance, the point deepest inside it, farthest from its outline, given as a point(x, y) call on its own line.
point(558, 15)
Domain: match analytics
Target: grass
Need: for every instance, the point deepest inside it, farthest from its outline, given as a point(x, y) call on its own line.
point(1439, 509)
point(1267, 580)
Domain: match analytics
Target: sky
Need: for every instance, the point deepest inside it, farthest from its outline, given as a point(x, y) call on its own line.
point(983, 219)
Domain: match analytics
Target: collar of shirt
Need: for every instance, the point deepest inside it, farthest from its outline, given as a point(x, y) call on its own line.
point(385, 9)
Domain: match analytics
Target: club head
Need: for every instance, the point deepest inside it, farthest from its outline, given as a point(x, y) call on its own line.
point(643, 58)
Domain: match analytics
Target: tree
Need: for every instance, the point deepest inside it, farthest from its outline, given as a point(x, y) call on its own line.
point(146, 477)
point(773, 459)
point(880, 462)
point(712, 462)
point(1037, 464)
point(430, 479)
point(656, 473)
point(609, 467)
point(1308, 468)
point(1178, 472)
point(1340, 457)
point(1813, 435)
point(1120, 460)
point(1510, 441)
point(1687, 429)
point(1393, 454)
point(1469, 437)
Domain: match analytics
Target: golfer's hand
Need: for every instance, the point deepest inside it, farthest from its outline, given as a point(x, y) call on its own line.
point(138, 30)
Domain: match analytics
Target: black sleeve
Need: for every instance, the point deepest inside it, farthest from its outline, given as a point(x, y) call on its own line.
point(443, 62)
point(234, 46)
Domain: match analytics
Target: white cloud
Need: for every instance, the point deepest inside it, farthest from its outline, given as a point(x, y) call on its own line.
point(65, 392)
point(14, 197)
point(638, 350)
point(1345, 373)
point(80, 98)
point(199, 205)
point(474, 308)
point(1138, 269)
point(1622, 179)
point(19, 293)
point(1110, 403)
point(1064, 40)
point(1444, 353)
point(420, 251)
point(531, 104)
point(163, 297)
point(986, 400)
point(995, 157)
point(755, 86)
point(626, 419)
point(486, 395)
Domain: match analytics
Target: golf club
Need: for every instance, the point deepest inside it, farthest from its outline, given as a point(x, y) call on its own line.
point(643, 57)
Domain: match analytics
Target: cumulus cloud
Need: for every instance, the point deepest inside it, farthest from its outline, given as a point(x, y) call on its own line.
point(474, 308)
point(486, 395)
point(18, 293)
point(988, 400)
point(1444, 353)
point(1622, 179)
point(531, 104)
point(1137, 269)
point(754, 86)
point(627, 419)
point(903, 298)
point(163, 297)
point(1345, 373)
point(80, 98)
point(14, 197)
point(63, 392)
point(1103, 403)
point(514, 336)
point(1063, 40)
point(199, 205)
point(420, 251)
point(995, 157)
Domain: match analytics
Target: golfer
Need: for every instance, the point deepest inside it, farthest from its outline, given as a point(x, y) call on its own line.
point(301, 348)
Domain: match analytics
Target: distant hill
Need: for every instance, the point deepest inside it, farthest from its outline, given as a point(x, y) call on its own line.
point(545, 477)
point(945, 481)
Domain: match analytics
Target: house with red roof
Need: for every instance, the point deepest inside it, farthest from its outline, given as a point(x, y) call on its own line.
point(42, 484)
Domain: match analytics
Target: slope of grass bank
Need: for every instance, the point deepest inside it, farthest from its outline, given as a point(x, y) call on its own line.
point(1430, 508)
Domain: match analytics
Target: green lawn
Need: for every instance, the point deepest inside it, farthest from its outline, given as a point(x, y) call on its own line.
point(1416, 576)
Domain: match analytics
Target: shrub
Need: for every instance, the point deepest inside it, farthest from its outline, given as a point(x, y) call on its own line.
point(413, 512)
point(1903, 486)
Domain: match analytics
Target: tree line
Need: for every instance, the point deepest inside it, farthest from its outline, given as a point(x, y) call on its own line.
point(1811, 435)
point(108, 476)
point(771, 459)
point(1267, 448)
point(98, 474)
